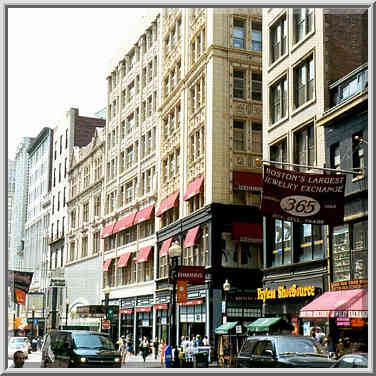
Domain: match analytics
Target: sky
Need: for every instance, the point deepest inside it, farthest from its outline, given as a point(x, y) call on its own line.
point(59, 58)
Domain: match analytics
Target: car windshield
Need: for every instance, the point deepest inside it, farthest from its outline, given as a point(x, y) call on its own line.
point(19, 340)
point(93, 341)
point(299, 345)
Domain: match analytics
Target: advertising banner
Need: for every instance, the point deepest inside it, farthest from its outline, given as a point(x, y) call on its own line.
point(303, 198)
point(181, 291)
point(20, 283)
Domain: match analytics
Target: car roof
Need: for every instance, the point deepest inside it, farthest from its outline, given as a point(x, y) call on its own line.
point(264, 336)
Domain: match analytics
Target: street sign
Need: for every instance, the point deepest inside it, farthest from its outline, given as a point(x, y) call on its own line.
point(192, 274)
point(106, 324)
point(238, 329)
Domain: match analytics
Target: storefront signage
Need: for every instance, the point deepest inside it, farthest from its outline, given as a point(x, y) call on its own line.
point(126, 311)
point(192, 302)
point(160, 306)
point(97, 311)
point(303, 198)
point(358, 314)
point(349, 285)
point(143, 309)
point(357, 322)
point(145, 322)
point(343, 321)
point(283, 292)
point(192, 274)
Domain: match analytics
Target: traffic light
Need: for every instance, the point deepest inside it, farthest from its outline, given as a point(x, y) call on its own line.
point(110, 313)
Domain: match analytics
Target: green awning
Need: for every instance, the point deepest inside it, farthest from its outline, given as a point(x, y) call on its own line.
point(224, 328)
point(263, 324)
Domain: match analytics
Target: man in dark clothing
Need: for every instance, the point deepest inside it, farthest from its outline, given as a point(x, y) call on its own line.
point(156, 346)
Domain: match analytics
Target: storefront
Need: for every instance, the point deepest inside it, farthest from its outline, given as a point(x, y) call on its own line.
point(286, 300)
point(192, 318)
point(161, 317)
point(144, 322)
point(344, 311)
point(126, 319)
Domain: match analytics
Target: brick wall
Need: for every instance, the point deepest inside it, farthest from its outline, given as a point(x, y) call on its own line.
point(347, 43)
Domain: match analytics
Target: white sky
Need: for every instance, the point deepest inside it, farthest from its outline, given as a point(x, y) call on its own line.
point(59, 58)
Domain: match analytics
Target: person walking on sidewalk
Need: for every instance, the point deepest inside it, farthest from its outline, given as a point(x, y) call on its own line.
point(162, 348)
point(155, 346)
point(145, 348)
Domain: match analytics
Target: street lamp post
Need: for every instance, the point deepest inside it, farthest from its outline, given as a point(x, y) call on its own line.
point(106, 301)
point(66, 312)
point(174, 253)
point(32, 320)
point(226, 289)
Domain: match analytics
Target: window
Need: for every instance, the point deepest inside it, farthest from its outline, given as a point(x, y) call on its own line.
point(66, 138)
point(310, 242)
point(239, 84)
point(86, 177)
point(256, 137)
point(302, 22)
point(256, 86)
point(65, 167)
point(304, 148)
point(304, 82)
point(278, 153)
point(358, 150)
point(281, 249)
point(278, 39)
point(72, 251)
point(84, 247)
point(239, 135)
point(278, 100)
point(238, 33)
point(335, 156)
point(163, 267)
point(85, 212)
point(73, 218)
point(256, 40)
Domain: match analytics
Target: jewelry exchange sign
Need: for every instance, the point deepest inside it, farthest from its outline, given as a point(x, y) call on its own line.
point(303, 198)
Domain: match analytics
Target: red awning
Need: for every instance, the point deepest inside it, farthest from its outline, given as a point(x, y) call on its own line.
point(144, 214)
point(160, 306)
point(247, 232)
point(107, 230)
point(126, 311)
point(123, 260)
point(165, 247)
point(246, 181)
point(124, 223)
point(143, 254)
point(333, 304)
point(192, 302)
point(168, 203)
point(190, 238)
point(143, 309)
point(194, 188)
point(360, 307)
point(107, 264)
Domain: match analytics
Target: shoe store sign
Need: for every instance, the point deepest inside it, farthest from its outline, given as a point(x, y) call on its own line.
point(282, 292)
point(303, 198)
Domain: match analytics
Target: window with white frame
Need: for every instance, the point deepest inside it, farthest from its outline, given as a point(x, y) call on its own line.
point(278, 153)
point(72, 250)
point(278, 38)
point(304, 82)
point(256, 131)
point(278, 100)
point(85, 212)
point(163, 267)
point(84, 249)
point(303, 22)
point(304, 147)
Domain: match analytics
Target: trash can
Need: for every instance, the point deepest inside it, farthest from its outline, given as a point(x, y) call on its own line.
point(201, 360)
point(168, 357)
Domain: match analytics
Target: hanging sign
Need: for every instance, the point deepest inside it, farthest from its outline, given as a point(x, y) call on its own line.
point(192, 274)
point(303, 198)
point(181, 291)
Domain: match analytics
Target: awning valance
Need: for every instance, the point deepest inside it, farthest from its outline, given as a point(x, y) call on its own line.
point(165, 247)
point(226, 327)
point(123, 260)
point(192, 302)
point(160, 306)
point(143, 254)
point(194, 188)
point(247, 232)
point(168, 203)
point(337, 304)
point(144, 214)
point(190, 238)
point(107, 264)
point(143, 309)
point(124, 223)
point(246, 181)
point(263, 324)
point(107, 230)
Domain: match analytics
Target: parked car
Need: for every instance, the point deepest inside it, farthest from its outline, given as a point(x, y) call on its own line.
point(17, 346)
point(21, 340)
point(358, 360)
point(282, 351)
point(81, 348)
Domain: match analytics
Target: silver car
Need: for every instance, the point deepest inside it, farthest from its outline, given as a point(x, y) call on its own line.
point(24, 340)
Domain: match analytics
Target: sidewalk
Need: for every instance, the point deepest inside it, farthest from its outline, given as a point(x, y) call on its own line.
point(136, 361)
